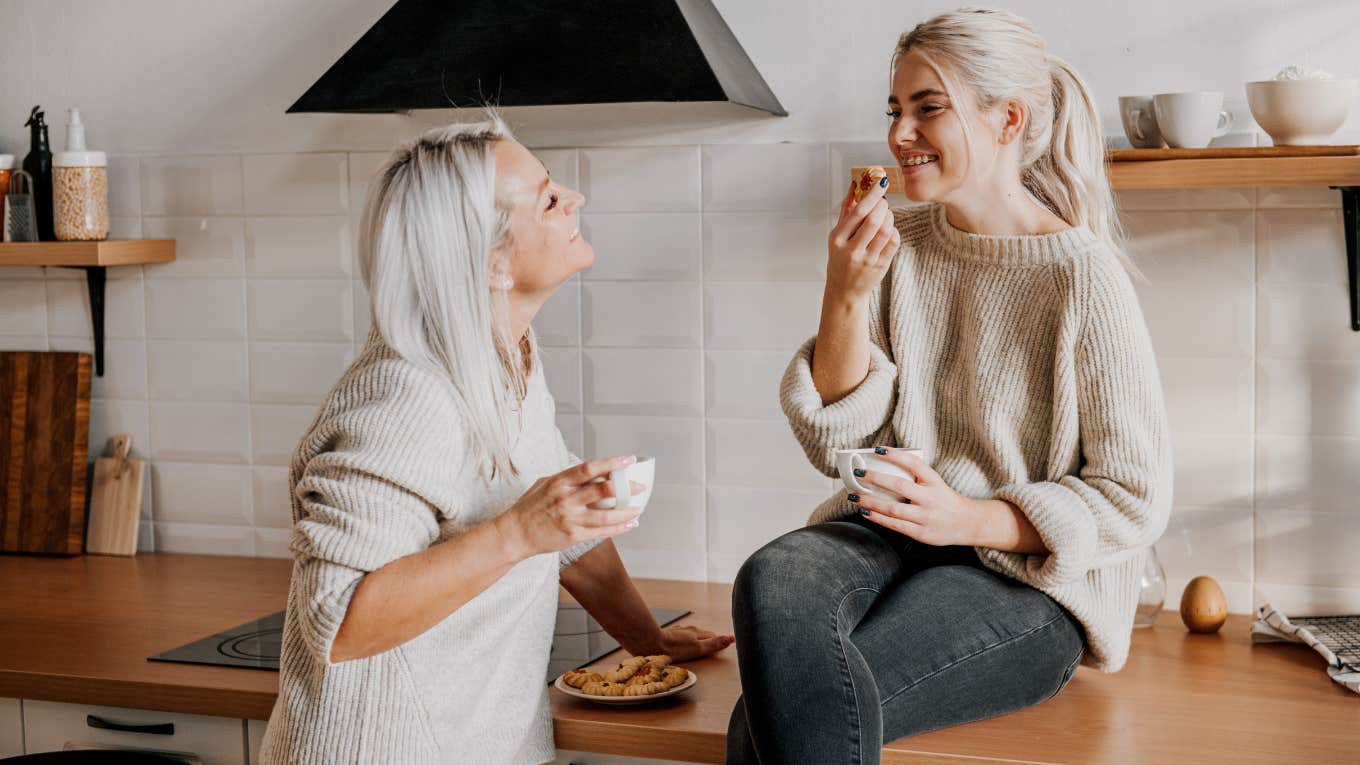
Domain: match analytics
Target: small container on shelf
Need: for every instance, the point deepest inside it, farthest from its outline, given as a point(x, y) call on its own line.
point(6, 168)
point(80, 188)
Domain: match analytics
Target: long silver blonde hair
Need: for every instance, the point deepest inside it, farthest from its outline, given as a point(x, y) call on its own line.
point(431, 225)
point(997, 57)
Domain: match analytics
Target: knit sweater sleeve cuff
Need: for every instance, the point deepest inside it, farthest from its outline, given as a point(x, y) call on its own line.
point(848, 423)
point(1064, 524)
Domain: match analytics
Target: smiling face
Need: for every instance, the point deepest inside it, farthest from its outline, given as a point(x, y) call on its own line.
point(547, 246)
point(938, 159)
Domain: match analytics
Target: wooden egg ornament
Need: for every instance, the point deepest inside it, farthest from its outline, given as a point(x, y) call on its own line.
point(1203, 607)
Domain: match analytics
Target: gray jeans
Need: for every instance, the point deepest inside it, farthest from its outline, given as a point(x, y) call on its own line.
point(850, 635)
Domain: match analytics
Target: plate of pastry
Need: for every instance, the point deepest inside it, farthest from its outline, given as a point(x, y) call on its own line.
point(635, 681)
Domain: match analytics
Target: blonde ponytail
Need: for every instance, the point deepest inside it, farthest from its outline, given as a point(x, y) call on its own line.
point(1070, 178)
point(999, 57)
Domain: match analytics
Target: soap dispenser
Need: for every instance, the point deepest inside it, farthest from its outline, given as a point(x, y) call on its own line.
point(38, 165)
point(80, 187)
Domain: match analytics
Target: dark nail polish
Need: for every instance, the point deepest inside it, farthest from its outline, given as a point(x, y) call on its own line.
point(859, 473)
point(864, 511)
point(853, 497)
point(883, 182)
point(880, 450)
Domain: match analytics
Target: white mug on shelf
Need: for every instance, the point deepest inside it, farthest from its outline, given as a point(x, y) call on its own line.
point(1191, 120)
point(848, 460)
point(643, 471)
point(1140, 122)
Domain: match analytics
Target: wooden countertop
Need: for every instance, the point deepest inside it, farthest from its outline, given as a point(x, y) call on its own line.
point(80, 629)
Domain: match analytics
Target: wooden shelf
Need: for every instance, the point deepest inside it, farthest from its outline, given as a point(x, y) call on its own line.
point(111, 252)
point(94, 258)
point(1238, 167)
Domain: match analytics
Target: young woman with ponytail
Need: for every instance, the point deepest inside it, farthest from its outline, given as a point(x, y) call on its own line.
point(997, 330)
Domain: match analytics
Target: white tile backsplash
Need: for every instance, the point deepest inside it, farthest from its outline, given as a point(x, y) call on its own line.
point(785, 177)
point(269, 492)
point(197, 370)
point(761, 316)
point(640, 314)
point(757, 453)
point(296, 184)
point(660, 246)
point(192, 432)
point(191, 185)
point(643, 179)
point(276, 431)
point(196, 309)
point(316, 246)
point(308, 310)
point(1307, 473)
point(744, 383)
point(296, 373)
point(1298, 398)
point(204, 246)
point(657, 381)
point(23, 307)
point(203, 493)
point(765, 247)
point(68, 308)
point(205, 539)
point(708, 273)
point(676, 442)
point(1302, 547)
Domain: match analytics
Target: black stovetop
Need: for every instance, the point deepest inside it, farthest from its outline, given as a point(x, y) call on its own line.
point(578, 640)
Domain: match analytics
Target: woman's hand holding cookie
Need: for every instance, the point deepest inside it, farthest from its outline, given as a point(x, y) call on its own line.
point(861, 245)
point(555, 512)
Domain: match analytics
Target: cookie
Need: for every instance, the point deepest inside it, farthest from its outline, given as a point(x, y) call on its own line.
point(648, 674)
point(626, 670)
point(673, 676)
point(577, 678)
point(604, 688)
point(868, 180)
point(660, 661)
point(646, 689)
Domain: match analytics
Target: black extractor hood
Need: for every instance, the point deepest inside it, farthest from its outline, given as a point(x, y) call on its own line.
point(438, 54)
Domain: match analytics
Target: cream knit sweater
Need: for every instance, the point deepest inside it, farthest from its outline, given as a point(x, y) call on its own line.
point(1022, 366)
point(382, 474)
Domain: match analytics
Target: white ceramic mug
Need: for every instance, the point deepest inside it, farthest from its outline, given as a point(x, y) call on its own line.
point(643, 471)
point(847, 460)
point(1140, 122)
point(1191, 120)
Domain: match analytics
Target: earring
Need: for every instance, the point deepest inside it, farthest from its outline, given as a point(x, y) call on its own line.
point(505, 283)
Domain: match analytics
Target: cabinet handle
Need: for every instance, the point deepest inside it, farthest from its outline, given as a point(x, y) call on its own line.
point(159, 729)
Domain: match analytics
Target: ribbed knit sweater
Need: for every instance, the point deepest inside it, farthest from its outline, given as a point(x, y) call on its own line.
point(1023, 367)
point(383, 473)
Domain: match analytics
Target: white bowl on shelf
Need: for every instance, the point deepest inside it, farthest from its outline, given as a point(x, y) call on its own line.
point(1300, 112)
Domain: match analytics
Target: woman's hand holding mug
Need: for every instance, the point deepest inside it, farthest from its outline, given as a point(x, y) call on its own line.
point(861, 246)
point(556, 513)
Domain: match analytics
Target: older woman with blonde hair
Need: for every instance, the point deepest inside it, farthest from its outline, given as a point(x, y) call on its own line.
point(435, 505)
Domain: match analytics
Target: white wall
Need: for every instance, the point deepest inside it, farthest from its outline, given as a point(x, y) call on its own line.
point(704, 282)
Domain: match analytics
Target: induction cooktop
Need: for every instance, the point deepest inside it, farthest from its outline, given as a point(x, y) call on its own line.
point(578, 640)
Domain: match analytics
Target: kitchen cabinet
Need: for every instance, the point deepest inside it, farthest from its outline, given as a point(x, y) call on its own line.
point(565, 757)
point(11, 728)
point(49, 726)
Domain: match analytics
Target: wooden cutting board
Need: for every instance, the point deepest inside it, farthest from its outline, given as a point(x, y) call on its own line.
point(44, 437)
point(115, 501)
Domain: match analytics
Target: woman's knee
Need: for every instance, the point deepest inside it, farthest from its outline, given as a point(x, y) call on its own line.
point(793, 571)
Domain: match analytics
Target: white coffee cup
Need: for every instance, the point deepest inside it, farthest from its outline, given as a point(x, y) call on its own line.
point(848, 460)
point(1191, 120)
point(643, 471)
point(1140, 122)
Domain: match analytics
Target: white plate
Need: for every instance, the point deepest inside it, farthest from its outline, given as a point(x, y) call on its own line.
point(570, 691)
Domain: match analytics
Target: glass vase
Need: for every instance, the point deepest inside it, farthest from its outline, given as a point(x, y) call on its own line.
point(1151, 590)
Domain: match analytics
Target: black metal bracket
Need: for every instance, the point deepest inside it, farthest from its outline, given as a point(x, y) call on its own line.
point(1350, 215)
point(94, 281)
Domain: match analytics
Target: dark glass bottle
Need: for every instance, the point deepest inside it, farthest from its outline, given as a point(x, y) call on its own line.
point(38, 164)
